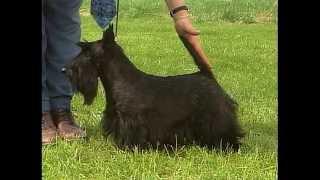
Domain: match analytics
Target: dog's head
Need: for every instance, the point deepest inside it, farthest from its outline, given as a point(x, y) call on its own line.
point(82, 71)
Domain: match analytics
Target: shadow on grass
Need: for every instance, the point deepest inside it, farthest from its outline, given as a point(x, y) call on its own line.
point(260, 137)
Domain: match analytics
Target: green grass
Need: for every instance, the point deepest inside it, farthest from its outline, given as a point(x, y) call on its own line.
point(245, 63)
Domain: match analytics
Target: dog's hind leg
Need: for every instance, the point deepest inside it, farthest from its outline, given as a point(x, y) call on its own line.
point(219, 131)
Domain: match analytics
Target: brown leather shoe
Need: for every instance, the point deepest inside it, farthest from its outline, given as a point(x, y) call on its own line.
point(67, 128)
point(48, 129)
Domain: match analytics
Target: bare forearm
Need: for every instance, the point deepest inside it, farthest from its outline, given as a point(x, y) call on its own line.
point(187, 32)
point(174, 3)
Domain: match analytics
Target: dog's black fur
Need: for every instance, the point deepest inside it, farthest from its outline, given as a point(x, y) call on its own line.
point(145, 110)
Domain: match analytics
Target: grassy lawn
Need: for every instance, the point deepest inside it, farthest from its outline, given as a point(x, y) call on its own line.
point(239, 36)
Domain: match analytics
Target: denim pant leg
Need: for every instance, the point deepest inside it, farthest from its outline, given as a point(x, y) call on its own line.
point(62, 33)
point(45, 96)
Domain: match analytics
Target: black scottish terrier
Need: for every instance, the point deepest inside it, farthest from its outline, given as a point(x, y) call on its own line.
point(143, 110)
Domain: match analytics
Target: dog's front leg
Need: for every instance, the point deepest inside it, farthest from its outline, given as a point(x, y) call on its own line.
point(110, 122)
point(132, 132)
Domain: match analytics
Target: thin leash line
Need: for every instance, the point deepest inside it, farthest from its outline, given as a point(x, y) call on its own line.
point(117, 18)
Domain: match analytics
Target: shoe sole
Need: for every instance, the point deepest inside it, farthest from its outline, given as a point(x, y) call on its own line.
point(71, 138)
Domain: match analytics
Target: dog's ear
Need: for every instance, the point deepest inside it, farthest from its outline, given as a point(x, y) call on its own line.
point(87, 81)
point(108, 35)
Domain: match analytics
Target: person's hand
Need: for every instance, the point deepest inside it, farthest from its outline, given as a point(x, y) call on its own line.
point(184, 26)
point(190, 37)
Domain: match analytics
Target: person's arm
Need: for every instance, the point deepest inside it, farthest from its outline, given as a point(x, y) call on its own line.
point(174, 3)
point(183, 24)
point(186, 31)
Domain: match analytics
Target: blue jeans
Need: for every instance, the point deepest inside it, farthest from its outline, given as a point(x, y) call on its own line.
point(60, 33)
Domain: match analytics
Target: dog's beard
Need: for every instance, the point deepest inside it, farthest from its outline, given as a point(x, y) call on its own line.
point(74, 88)
point(86, 84)
point(88, 92)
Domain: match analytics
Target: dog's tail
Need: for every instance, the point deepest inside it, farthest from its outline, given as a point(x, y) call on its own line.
point(198, 56)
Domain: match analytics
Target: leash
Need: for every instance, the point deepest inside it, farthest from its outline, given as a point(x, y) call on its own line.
point(117, 18)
